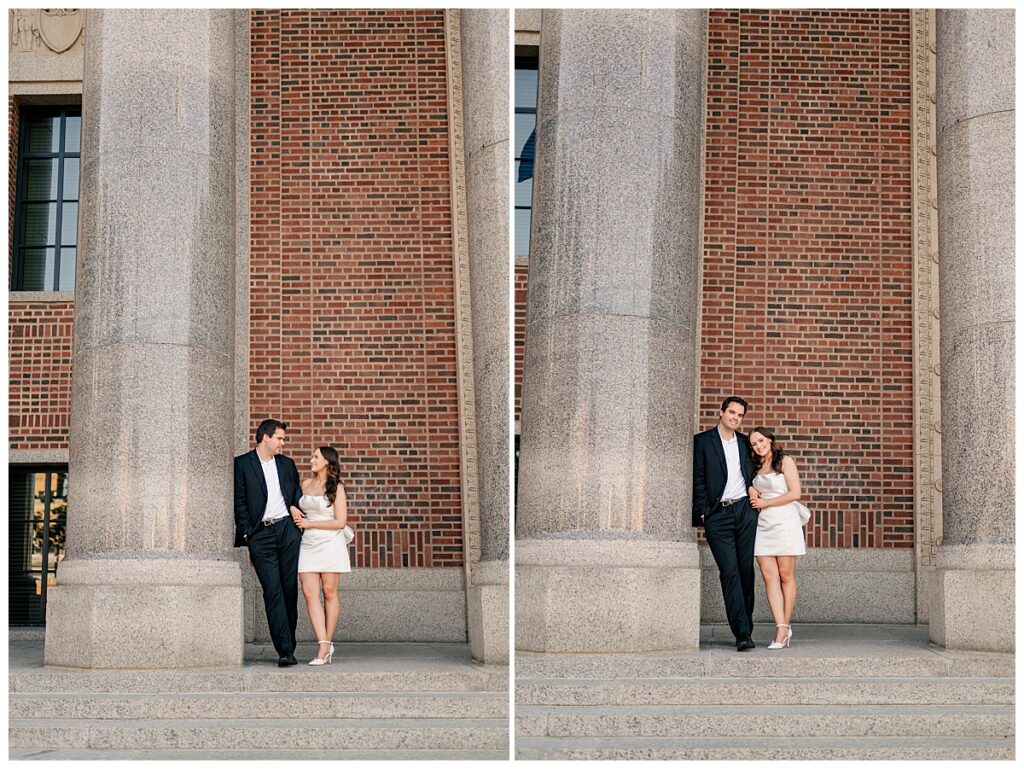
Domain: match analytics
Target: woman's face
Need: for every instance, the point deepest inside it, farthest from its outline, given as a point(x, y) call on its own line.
point(760, 444)
point(317, 461)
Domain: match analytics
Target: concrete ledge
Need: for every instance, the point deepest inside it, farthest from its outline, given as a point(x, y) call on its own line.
point(380, 605)
point(833, 586)
point(39, 297)
point(972, 598)
point(606, 595)
point(37, 457)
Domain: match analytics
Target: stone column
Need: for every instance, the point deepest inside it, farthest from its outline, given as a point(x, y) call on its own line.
point(606, 560)
point(485, 63)
point(973, 600)
point(149, 580)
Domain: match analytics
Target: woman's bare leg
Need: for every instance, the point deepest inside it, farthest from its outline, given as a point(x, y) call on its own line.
point(332, 606)
point(787, 573)
point(310, 582)
point(773, 587)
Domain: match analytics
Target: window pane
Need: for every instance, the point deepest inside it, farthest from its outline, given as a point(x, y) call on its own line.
point(40, 224)
point(524, 182)
point(69, 224)
point(41, 182)
point(525, 125)
point(522, 231)
point(67, 269)
point(36, 270)
point(27, 585)
point(526, 88)
point(73, 133)
point(43, 134)
point(36, 553)
point(70, 190)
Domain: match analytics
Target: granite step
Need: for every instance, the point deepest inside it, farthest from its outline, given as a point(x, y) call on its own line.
point(765, 748)
point(260, 677)
point(242, 705)
point(383, 701)
point(809, 662)
point(769, 720)
point(795, 691)
point(253, 734)
point(72, 754)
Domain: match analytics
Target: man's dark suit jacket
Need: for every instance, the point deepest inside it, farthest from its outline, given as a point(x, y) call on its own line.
point(710, 473)
point(251, 491)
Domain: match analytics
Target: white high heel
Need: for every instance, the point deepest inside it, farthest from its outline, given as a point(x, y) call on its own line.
point(326, 660)
point(785, 641)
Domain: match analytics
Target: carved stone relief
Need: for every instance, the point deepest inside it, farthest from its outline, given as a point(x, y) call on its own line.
point(45, 30)
point(471, 524)
point(927, 414)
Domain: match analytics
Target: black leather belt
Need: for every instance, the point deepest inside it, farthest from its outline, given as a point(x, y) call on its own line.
point(268, 524)
point(727, 502)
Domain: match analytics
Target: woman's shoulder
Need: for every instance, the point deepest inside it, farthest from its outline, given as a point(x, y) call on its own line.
point(788, 461)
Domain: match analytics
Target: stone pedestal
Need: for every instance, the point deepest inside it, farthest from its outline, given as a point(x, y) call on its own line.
point(973, 598)
point(484, 50)
point(606, 559)
point(150, 579)
point(973, 603)
point(606, 595)
point(488, 609)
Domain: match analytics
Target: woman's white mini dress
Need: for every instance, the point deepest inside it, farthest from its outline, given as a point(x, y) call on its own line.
point(323, 549)
point(778, 528)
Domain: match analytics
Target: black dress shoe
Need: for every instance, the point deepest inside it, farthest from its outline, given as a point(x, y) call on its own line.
point(744, 643)
point(287, 660)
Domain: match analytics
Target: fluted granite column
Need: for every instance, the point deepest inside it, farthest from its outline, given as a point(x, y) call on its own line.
point(149, 579)
point(605, 558)
point(973, 600)
point(485, 117)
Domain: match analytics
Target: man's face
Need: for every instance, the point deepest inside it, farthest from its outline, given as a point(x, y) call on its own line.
point(732, 417)
point(275, 443)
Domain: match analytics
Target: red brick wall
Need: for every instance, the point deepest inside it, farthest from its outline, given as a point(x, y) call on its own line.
point(520, 334)
point(39, 351)
point(352, 325)
point(38, 345)
point(807, 296)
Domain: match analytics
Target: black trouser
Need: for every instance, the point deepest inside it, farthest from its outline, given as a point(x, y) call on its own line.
point(730, 533)
point(274, 551)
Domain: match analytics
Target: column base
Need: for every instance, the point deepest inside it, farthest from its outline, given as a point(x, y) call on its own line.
point(607, 595)
point(140, 612)
point(972, 598)
point(488, 612)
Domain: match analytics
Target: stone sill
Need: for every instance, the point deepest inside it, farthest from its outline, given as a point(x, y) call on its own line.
point(37, 297)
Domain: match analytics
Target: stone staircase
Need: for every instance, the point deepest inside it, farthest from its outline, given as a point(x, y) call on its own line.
point(840, 692)
point(377, 701)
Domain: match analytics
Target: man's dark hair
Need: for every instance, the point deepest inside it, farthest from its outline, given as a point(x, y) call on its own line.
point(269, 427)
point(735, 399)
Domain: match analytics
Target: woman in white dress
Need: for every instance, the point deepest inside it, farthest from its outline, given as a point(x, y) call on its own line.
point(780, 536)
point(323, 553)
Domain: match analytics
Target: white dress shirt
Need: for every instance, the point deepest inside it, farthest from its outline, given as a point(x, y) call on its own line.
point(276, 508)
point(735, 485)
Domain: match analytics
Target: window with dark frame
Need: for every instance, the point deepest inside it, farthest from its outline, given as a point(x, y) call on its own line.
point(525, 152)
point(37, 523)
point(46, 204)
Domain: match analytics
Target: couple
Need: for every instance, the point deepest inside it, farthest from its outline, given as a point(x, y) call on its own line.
point(294, 531)
point(746, 495)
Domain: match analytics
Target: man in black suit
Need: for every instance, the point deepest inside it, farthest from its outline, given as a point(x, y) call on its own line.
point(266, 488)
point(723, 474)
